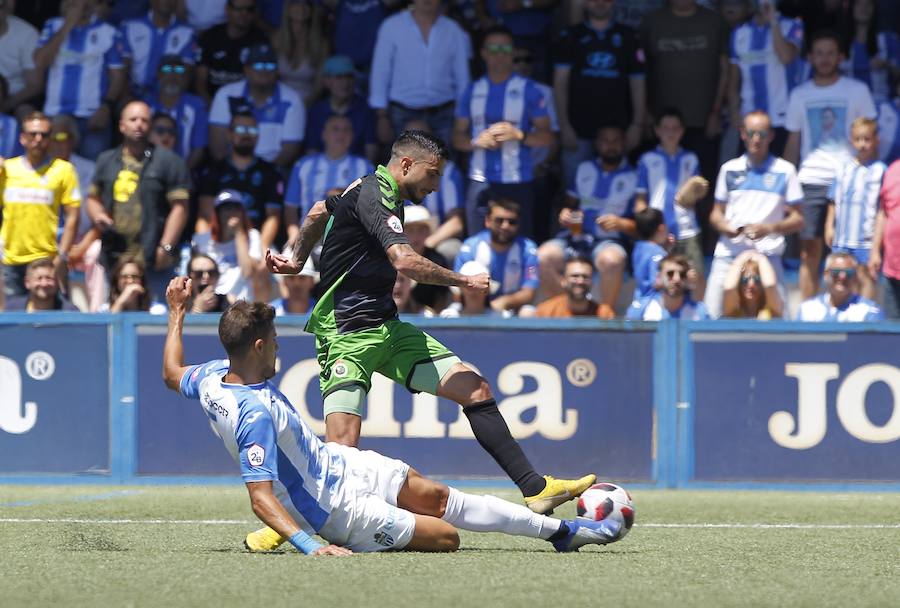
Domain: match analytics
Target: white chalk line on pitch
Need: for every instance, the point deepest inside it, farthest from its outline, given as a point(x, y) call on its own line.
point(244, 522)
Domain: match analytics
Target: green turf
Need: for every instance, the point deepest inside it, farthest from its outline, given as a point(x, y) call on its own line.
point(167, 564)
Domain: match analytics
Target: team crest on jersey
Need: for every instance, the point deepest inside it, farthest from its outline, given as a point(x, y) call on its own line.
point(256, 455)
point(340, 369)
point(395, 224)
point(384, 539)
point(769, 180)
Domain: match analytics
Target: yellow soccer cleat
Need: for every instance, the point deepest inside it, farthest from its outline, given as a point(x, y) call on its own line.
point(558, 491)
point(265, 539)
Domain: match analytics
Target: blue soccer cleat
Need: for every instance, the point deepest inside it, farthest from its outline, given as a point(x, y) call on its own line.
point(587, 532)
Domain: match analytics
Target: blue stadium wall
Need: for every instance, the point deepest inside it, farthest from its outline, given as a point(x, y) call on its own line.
point(676, 404)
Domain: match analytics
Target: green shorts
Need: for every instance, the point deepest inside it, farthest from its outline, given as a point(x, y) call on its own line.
point(394, 349)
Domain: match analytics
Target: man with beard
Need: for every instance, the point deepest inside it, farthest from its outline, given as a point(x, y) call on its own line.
point(574, 302)
point(673, 300)
point(188, 111)
point(841, 302)
point(597, 221)
point(41, 290)
point(356, 325)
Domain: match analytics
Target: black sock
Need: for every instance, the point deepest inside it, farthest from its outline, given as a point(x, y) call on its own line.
point(561, 533)
point(492, 433)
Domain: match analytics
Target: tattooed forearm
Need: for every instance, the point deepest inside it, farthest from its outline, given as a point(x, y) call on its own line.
point(421, 269)
point(310, 232)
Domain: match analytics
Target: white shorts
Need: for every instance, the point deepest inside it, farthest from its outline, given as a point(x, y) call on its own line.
point(368, 519)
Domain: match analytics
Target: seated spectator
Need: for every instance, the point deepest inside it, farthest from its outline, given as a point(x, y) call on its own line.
point(9, 126)
point(157, 33)
point(279, 111)
point(419, 226)
point(402, 295)
point(889, 128)
point(233, 244)
point(653, 236)
point(188, 111)
point(512, 259)
point(474, 302)
point(874, 53)
point(673, 300)
point(41, 290)
point(751, 289)
point(841, 301)
point(597, 220)
point(854, 200)
point(163, 132)
point(297, 291)
point(18, 39)
point(317, 176)
point(575, 302)
point(301, 47)
point(128, 290)
point(204, 275)
point(886, 241)
point(222, 45)
point(339, 78)
point(80, 45)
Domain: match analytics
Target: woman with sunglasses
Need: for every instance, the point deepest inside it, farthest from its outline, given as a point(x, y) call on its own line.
point(751, 289)
point(128, 290)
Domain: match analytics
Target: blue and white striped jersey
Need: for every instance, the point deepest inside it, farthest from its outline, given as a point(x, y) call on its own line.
point(449, 196)
point(659, 178)
point(855, 310)
point(859, 64)
point(650, 308)
point(9, 136)
point(513, 269)
point(77, 79)
point(516, 100)
point(267, 438)
point(889, 131)
point(192, 119)
point(765, 82)
point(602, 192)
point(855, 193)
point(314, 175)
point(145, 45)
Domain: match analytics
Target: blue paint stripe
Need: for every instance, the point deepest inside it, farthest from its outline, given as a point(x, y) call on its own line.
point(302, 500)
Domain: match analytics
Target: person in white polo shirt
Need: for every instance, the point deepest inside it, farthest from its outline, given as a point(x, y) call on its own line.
point(757, 202)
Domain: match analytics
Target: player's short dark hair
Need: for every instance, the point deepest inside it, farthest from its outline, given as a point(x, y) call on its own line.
point(416, 144)
point(676, 258)
point(827, 34)
point(647, 222)
point(495, 30)
point(243, 323)
point(669, 112)
point(503, 203)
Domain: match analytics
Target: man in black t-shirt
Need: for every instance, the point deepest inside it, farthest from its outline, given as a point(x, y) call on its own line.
point(598, 81)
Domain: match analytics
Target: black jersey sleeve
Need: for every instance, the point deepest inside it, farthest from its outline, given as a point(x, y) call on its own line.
point(379, 222)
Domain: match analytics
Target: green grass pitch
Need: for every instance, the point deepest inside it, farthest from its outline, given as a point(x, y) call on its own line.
point(112, 546)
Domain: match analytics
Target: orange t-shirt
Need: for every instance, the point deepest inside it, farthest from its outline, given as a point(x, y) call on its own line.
point(558, 307)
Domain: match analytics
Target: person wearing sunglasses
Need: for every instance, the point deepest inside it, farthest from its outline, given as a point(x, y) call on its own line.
point(841, 300)
point(673, 300)
point(204, 274)
point(158, 29)
point(751, 289)
point(163, 131)
point(187, 111)
point(279, 111)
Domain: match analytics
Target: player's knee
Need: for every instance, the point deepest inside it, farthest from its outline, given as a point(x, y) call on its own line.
point(482, 391)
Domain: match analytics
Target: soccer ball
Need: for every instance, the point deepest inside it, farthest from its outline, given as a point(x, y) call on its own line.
point(608, 501)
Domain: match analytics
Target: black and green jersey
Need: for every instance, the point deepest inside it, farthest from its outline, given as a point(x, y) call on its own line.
point(356, 275)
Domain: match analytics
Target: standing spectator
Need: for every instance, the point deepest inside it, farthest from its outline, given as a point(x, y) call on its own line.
point(751, 289)
point(764, 54)
point(648, 251)
point(163, 132)
point(886, 241)
point(18, 39)
point(356, 25)
point(188, 111)
point(598, 78)
point(575, 301)
point(42, 290)
point(34, 188)
point(258, 181)
point(279, 111)
point(820, 112)
point(138, 199)
point(302, 48)
point(204, 275)
point(420, 68)
point(86, 71)
point(630, 13)
point(529, 21)
point(317, 176)
point(853, 202)
point(340, 80)
point(673, 300)
point(874, 56)
point(757, 202)
point(9, 129)
point(889, 128)
point(669, 180)
point(203, 15)
point(499, 119)
point(128, 290)
point(222, 47)
point(841, 302)
point(149, 38)
point(511, 259)
point(598, 218)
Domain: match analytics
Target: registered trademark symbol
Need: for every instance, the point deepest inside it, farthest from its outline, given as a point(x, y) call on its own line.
point(581, 372)
point(40, 365)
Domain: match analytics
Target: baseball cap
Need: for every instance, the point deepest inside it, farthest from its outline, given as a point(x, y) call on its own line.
point(229, 197)
point(338, 65)
point(416, 214)
point(259, 53)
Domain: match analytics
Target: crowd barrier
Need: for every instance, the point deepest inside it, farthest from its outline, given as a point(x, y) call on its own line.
point(674, 404)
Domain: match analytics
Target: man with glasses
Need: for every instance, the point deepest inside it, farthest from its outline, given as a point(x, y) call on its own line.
point(758, 200)
point(188, 111)
point(222, 46)
point(673, 300)
point(204, 274)
point(499, 119)
point(841, 302)
point(279, 111)
point(34, 188)
point(258, 181)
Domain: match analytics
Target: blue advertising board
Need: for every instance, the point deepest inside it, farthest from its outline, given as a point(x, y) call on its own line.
point(796, 407)
point(54, 399)
point(578, 401)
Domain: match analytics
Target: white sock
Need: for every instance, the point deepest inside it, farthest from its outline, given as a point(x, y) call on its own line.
point(492, 514)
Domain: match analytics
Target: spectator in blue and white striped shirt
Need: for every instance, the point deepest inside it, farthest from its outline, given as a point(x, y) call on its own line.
point(841, 302)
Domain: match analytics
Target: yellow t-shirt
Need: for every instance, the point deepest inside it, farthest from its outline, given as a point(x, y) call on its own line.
point(30, 200)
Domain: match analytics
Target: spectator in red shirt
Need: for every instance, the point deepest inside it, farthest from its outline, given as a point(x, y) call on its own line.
point(886, 242)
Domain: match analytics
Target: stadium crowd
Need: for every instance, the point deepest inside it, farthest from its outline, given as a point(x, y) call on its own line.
point(646, 159)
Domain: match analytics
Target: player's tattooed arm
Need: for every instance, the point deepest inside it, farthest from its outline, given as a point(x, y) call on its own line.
point(409, 263)
point(310, 232)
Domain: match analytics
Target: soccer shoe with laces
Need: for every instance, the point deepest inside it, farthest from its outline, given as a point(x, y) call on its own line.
point(264, 539)
point(558, 491)
point(587, 532)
